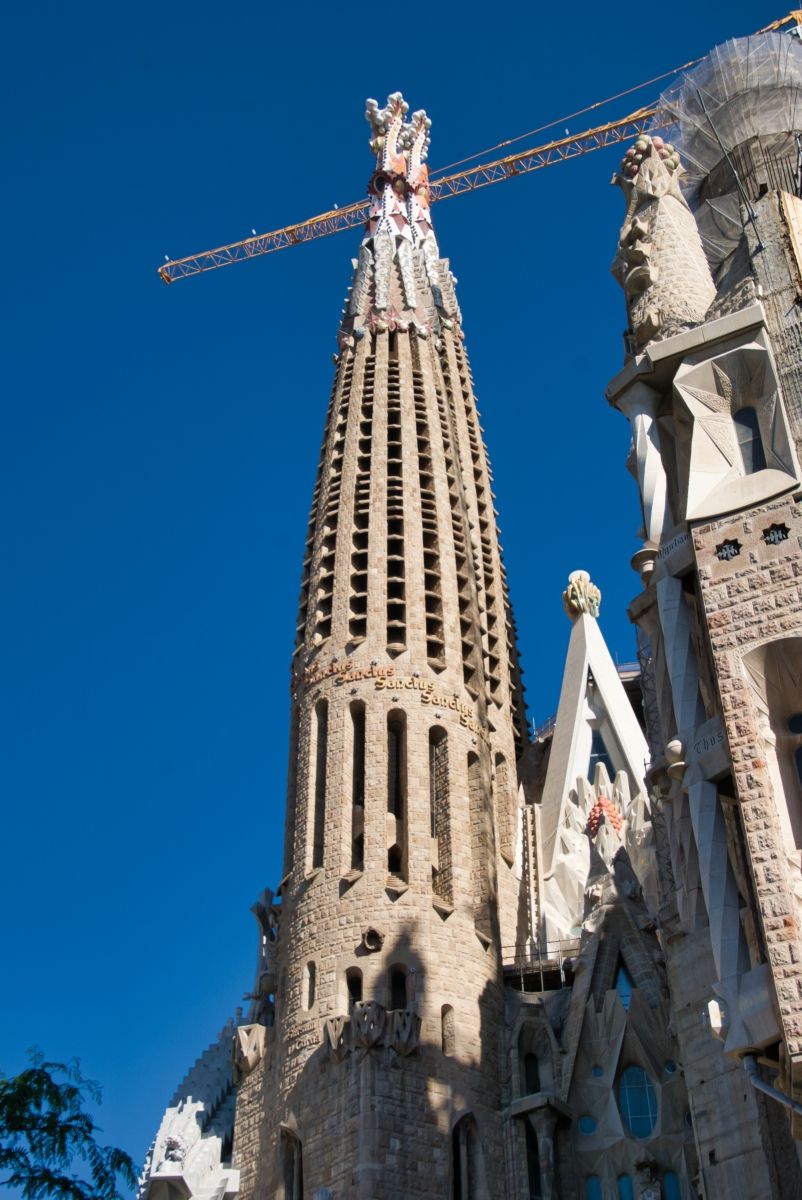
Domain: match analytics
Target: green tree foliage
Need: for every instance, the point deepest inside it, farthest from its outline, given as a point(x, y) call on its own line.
point(46, 1136)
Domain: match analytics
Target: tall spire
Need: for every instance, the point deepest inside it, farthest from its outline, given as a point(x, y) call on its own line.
point(402, 827)
point(401, 282)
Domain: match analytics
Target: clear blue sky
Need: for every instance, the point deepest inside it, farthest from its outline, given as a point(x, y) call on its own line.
point(159, 447)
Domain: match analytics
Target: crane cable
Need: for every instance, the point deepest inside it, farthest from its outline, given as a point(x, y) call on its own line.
point(794, 15)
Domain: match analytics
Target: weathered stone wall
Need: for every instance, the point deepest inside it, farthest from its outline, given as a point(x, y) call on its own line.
point(749, 599)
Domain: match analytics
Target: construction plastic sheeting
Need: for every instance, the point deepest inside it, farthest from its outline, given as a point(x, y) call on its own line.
point(745, 88)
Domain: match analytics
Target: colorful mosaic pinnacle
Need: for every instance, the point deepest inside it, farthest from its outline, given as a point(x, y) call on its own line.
point(399, 188)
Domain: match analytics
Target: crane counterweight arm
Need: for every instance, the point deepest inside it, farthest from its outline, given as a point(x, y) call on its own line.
point(339, 219)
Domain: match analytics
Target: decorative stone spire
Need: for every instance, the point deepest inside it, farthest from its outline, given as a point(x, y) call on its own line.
point(401, 282)
point(660, 261)
point(581, 596)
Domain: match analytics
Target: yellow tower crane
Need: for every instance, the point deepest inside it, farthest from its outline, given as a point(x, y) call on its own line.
point(467, 180)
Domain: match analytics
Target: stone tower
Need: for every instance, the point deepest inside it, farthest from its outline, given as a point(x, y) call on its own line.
point(381, 1072)
point(712, 384)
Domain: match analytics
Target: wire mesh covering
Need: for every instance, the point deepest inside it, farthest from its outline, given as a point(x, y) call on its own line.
point(739, 111)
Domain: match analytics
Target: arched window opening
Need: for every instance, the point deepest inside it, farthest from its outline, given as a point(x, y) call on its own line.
point(353, 983)
point(505, 807)
point(468, 1181)
point(397, 792)
point(637, 1101)
point(310, 984)
point(448, 1030)
point(440, 815)
point(481, 845)
point(398, 988)
point(531, 1074)
point(774, 671)
point(321, 746)
point(750, 443)
point(593, 1188)
point(625, 1189)
point(623, 985)
point(533, 1163)
point(292, 1169)
point(358, 786)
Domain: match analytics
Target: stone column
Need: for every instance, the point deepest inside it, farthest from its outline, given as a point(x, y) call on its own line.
point(639, 405)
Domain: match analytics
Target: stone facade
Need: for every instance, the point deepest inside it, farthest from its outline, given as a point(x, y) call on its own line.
point(567, 966)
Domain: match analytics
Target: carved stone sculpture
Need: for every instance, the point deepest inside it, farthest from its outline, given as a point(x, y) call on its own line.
point(660, 261)
point(581, 596)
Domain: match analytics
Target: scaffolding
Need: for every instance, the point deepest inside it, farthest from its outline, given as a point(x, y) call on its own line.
point(735, 119)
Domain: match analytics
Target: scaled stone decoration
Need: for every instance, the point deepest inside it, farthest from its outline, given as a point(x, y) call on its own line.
point(660, 261)
point(581, 596)
point(405, 1031)
point(367, 1024)
point(371, 1026)
point(249, 1048)
point(336, 1034)
point(604, 810)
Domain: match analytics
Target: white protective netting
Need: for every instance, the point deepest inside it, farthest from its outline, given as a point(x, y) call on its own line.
point(745, 88)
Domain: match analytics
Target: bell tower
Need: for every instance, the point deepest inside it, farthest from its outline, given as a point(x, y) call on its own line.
point(380, 1079)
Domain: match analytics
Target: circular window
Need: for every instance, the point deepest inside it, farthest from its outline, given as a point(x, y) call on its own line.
point(637, 1101)
point(597, 1071)
point(587, 1124)
point(795, 723)
point(670, 1067)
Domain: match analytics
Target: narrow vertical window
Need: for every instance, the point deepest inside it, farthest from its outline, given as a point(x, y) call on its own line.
point(448, 1030)
point(670, 1187)
point(321, 745)
point(310, 984)
point(358, 786)
point(481, 841)
point(398, 988)
point(468, 1180)
point(533, 1163)
point(292, 1171)
point(750, 443)
point(625, 1191)
point(505, 807)
point(599, 754)
point(531, 1074)
point(440, 812)
point(593, 1188)
point(353, 983)
point(396, 793)
point(623, 985)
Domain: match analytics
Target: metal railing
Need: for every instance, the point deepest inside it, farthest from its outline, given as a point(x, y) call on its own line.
point(539, 966)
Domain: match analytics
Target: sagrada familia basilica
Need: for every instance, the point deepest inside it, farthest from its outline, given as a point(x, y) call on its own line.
point(568, 966)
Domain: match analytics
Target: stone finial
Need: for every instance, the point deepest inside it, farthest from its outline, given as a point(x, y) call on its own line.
point(581, 596)
point(649, 148)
